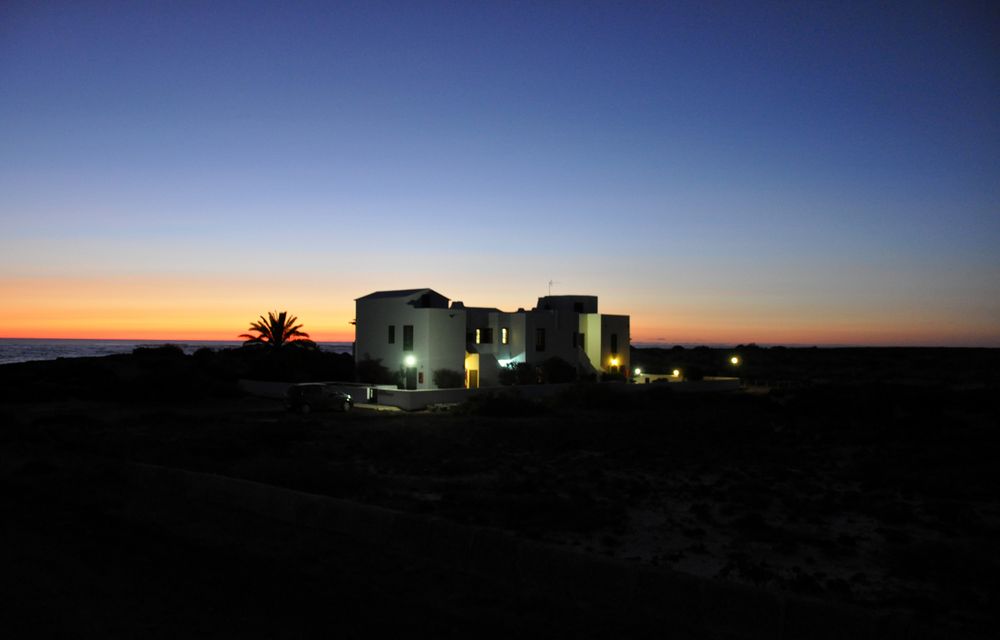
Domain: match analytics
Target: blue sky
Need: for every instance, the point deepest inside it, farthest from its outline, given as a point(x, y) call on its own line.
point(778, 172)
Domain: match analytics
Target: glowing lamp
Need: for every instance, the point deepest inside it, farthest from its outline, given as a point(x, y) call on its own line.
point(410, 360)
point(614, 362)
point(677, 373)
point(638, 371)
point(735, 360)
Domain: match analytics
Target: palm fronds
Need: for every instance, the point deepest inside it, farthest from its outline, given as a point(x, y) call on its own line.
point(277, 330)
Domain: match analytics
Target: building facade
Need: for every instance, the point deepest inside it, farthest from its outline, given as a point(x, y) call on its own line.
point(417, 332)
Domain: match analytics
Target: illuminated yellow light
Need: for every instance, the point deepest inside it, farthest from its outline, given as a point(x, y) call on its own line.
point(477, 336)
point(677, 373)
point(735, 360)
point(638, 371)
point(614, 362)
point(410, 360)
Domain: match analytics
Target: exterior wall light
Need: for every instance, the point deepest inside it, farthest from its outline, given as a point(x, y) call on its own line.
point(614, 362)
point(734, 360)
point(410, 360)
point(638, 371)
point(677, 373)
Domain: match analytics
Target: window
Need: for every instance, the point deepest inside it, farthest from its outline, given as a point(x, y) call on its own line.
point(479, 335)
point(583, 341)
point(504, 336)
point(614, 343)
point(484, 335)
point(539, 339)
point(392, 334)
point(407, 337)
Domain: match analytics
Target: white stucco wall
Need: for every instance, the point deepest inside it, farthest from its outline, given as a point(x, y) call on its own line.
point(620, 325)
point(438, 336)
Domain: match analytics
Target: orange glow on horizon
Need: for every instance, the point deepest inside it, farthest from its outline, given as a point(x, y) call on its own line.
point(168, 308)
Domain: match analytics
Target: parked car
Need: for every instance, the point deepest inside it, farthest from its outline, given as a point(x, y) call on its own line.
point(317, 396)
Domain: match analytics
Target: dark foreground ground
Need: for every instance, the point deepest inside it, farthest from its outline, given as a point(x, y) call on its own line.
point(885, 496)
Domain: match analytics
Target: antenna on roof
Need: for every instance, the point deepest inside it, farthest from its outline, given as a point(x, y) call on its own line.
point(551, 282)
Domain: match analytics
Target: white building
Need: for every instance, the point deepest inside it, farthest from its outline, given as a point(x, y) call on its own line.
point(417, 331)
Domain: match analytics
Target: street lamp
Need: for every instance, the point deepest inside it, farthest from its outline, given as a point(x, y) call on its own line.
point(735, 360)
point(677, 373)
point(638, 371)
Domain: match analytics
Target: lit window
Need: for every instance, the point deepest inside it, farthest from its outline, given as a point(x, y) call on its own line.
point(478, 336)
point(503, 335)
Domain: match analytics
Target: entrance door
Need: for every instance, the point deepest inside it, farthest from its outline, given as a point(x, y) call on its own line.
point(473, 378)
point(411, 378)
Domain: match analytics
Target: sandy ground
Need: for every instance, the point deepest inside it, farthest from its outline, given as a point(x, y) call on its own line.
point(885, 497)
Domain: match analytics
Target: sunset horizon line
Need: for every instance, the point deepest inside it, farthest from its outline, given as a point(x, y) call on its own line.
point(638, 343)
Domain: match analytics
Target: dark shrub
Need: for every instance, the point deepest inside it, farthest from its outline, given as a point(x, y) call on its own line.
point(693, 373)
point(161, 351)
point(449, 379)
point(203, 354)
point(556, 370)
point(373, 371)
point(518, 373)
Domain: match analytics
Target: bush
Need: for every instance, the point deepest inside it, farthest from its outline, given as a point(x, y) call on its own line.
point(556, 370)
point(449, 379)
point(162, 351)
point(518, 373)
point(374, 372)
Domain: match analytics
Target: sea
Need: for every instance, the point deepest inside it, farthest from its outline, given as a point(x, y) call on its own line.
point(27, 349)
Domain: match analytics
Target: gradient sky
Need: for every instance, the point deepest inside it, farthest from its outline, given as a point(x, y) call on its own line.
point(798, 173)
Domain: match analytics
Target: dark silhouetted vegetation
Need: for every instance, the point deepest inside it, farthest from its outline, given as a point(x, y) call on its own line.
point(373, 371)
point(518, 373)
point(448, 379)
point(555, 370)
point(276, 331)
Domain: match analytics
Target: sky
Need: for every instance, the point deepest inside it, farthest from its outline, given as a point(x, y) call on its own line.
point(723, 172)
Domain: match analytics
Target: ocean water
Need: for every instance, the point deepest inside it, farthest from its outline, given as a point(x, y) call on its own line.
point(24, 349)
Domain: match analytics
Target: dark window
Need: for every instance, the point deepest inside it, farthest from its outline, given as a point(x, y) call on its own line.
point(539, 339)
point(504, 335)
point(392, 334)
point(470, 337)
point(485, 335)
point(578, 307)
point(614, 344)
point(583, 342)
point(407, 337)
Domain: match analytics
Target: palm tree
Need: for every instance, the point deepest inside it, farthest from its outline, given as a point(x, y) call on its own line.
point(278, 331)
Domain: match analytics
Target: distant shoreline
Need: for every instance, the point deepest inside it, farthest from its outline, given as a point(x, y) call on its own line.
point(16, 350)
point(635, 345)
